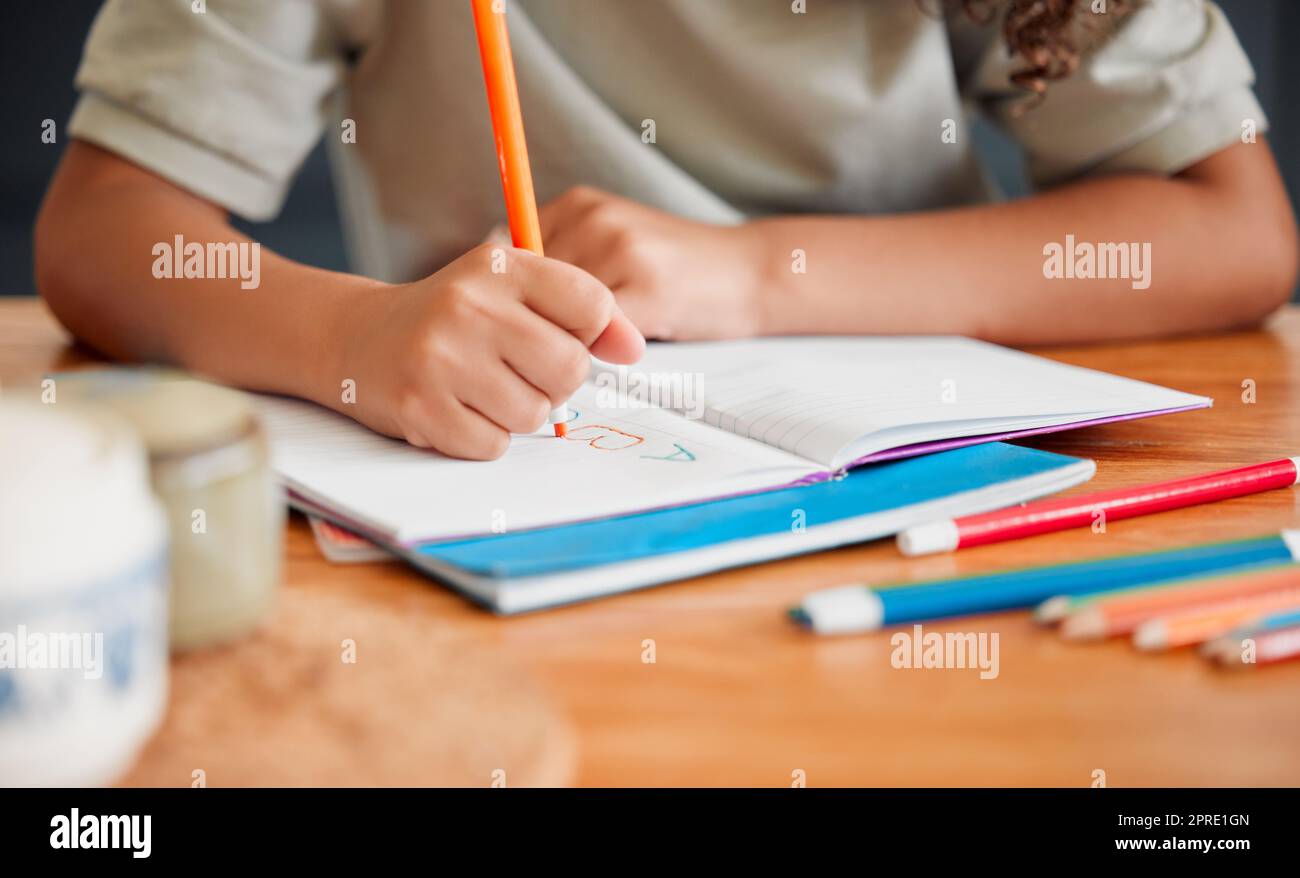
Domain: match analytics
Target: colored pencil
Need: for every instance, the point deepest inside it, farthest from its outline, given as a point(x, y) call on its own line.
point(1057, 607)
point(1123, 613)
point(855, 608)
point(1272, 643)
point(1200, 625)
point(1287, 619)
point(1270, 622)
point(1045, 516)
point(512, 147)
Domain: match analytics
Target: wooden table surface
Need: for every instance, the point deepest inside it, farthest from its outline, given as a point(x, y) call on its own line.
point(738, 696)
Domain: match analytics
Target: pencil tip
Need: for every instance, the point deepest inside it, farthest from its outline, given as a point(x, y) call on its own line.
point(1083, 625)
point(1052, 610)
point(561, 431)
point(799, 616)
point(1151, 636)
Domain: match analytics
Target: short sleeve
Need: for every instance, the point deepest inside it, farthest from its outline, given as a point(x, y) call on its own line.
point(1162, 88)
point(224, 98)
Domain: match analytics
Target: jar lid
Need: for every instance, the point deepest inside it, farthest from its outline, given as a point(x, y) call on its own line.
point(173, 413)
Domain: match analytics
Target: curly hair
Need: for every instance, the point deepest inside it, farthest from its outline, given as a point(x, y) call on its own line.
point(1049, 36)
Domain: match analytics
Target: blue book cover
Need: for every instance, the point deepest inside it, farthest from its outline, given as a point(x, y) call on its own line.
point(883, 497)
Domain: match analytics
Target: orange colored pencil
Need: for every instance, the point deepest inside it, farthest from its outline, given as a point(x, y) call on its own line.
point(507, 123)
point(1202, 624)
point(1123, 613)
point(512, 147)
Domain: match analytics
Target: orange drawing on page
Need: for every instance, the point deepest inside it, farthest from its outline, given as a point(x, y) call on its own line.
point(604, 437)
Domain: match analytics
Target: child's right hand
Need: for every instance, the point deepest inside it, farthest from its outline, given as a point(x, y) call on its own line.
point(461, 359)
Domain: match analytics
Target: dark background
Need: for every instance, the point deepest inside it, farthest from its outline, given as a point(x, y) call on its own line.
point(40, 45)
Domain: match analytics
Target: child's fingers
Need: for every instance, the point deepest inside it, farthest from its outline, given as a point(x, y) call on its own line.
point(621, 342)
point(456, 430)
point(602, 258)
point(574, 239)
point(553, 217)
point(643, 311)
point(543, 354)
point(561, 214)
point(568, 297)
point(498, 393)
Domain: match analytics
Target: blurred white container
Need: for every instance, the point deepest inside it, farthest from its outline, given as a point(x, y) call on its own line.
point(83, 597)
point(211, 470)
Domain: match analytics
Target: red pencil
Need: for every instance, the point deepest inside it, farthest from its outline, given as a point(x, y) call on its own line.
point(1081, 511)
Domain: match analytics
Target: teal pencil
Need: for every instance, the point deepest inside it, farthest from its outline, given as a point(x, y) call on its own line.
point(857, 608)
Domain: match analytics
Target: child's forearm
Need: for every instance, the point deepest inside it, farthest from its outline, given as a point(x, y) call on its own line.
point(104, 228)
point(456, 361)
point(1222, 252)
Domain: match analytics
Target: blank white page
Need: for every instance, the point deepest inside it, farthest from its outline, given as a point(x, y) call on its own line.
point(836, 399)
point(615, 461)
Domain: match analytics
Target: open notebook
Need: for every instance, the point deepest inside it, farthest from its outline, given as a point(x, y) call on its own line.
point(531, 569)
point(771, 413)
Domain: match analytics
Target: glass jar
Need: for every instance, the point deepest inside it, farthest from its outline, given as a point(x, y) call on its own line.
point(211, 469)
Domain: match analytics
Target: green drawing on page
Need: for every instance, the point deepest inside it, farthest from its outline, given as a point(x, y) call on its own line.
point(681, 455)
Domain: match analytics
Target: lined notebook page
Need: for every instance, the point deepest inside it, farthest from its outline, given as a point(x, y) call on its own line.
point(615, 461)
point(834, 400)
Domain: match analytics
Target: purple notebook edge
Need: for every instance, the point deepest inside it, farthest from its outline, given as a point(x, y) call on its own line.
point(962, 441)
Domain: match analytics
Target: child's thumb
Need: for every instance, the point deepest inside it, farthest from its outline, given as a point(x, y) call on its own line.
point(621, 342)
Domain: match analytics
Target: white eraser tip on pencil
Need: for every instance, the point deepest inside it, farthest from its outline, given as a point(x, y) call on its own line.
point(1296, 461)
point(928, 538)
point(1151, 636)
point(846, 610)
point(1292, 540)
point(1052, 610)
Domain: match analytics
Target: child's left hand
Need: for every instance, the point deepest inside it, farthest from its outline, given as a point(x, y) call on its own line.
point(674, 278)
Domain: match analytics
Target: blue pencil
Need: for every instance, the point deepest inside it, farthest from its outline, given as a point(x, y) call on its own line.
point(855, 608)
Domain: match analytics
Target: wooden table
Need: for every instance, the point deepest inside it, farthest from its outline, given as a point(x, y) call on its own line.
point(737, 696)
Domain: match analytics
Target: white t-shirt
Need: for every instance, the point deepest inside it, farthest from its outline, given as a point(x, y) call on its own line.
point(716, 110)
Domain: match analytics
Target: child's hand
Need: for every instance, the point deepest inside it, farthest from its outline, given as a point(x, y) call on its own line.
point(462, 359)
point(675, 278)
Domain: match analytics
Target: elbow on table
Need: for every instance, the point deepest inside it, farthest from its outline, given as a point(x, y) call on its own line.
point(1264, 265)
point(64, 266)
point(53, 273)
point(1273, 262)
